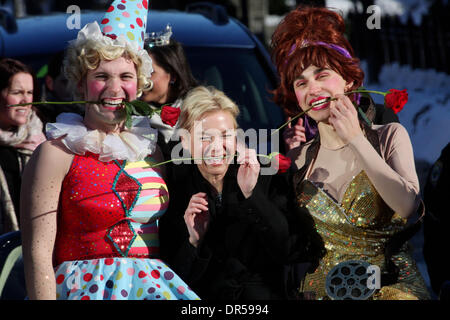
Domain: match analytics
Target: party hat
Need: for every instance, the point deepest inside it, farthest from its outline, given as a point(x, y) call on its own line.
point(127, 18)
point(123, 25)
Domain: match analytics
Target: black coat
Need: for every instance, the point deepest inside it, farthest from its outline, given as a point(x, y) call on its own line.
point(248, 244)
point(437, 223)
point(9, 163)
point(12, 163)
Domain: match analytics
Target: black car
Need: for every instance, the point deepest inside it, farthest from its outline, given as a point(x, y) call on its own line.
point(222, 52)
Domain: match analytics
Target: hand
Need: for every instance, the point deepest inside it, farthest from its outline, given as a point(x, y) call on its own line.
point(294, 136)
point(196, 218)
point(248, 172)
point(344, 118)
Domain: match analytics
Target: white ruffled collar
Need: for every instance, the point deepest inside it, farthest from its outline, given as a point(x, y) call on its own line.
point(133, 145)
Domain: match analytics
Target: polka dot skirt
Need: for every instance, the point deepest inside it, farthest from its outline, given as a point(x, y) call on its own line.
point(120, 279)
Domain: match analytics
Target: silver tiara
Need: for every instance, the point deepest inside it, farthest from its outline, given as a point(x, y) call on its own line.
point(157, 39)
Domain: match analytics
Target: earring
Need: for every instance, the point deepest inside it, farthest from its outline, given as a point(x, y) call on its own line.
point(149, 86)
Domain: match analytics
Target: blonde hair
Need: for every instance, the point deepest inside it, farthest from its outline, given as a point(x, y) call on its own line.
point(87, 56)
point(202, 100)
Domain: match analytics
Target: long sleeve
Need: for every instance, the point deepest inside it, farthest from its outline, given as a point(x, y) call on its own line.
point(267, 208)
point(176, 250)
point(395, 176)
point(244, 236)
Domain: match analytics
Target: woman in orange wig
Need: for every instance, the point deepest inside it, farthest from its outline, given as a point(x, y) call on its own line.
point(357, 180)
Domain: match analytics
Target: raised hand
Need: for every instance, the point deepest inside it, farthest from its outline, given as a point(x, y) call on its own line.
point(248, 172)
point(344, 118)
point(196, 218)
point(294, 135)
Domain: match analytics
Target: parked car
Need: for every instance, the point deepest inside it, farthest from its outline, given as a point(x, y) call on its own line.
point(222, 52)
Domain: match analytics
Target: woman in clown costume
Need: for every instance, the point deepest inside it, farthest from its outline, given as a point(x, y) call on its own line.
point(90, 197)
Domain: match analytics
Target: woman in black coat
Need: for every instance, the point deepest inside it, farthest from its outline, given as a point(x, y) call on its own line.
point(229, 232)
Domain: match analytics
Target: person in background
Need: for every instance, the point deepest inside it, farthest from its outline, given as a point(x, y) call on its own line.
point(172, 79)
point(56, 89)
point(437, 223)
point(20, 134)
point(358, 181)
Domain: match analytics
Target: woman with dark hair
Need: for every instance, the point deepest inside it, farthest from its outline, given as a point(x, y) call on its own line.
point(358, 181)
point(172, 79)
point(20, 133)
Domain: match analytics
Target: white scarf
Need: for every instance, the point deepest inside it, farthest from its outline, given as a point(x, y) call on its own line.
point(27, 136)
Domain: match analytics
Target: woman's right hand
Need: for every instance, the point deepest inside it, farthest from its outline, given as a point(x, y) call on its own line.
point(196, 218)
point(294, 136)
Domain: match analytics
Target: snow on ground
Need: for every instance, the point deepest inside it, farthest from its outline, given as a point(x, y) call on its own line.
point(426, 116)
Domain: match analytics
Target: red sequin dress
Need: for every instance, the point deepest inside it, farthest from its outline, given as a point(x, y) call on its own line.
point(107, 242)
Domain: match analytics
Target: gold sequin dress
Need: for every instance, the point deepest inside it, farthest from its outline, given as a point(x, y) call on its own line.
point(357, 226)
point(357, 230)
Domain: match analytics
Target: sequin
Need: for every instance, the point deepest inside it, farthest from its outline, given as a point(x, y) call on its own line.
point(107, 222)
point(357, 229)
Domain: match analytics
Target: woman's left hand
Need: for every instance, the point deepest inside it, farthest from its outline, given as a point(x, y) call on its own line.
point(248, 172)
point(344, 118)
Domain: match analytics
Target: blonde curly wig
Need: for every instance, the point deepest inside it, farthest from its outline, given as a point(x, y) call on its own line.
point(85, 56)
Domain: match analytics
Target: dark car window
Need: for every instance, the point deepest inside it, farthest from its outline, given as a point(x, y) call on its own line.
point(240, 74)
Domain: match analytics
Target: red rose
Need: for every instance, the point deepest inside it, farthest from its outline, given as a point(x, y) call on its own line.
point(169, 115)
point(396, 99)
point(284, 163)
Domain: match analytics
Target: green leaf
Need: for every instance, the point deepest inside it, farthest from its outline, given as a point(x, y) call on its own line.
point(141, 108)
point(128, 107)
point(129, 122)
point(129, 110)
point(363, 115)
point(273, 154)
point(43, 71)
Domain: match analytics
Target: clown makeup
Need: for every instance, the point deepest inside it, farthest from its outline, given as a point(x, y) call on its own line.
point(112, 83)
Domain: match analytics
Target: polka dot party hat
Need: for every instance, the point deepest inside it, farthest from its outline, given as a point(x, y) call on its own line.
point(128, 18)
point(123, 25)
